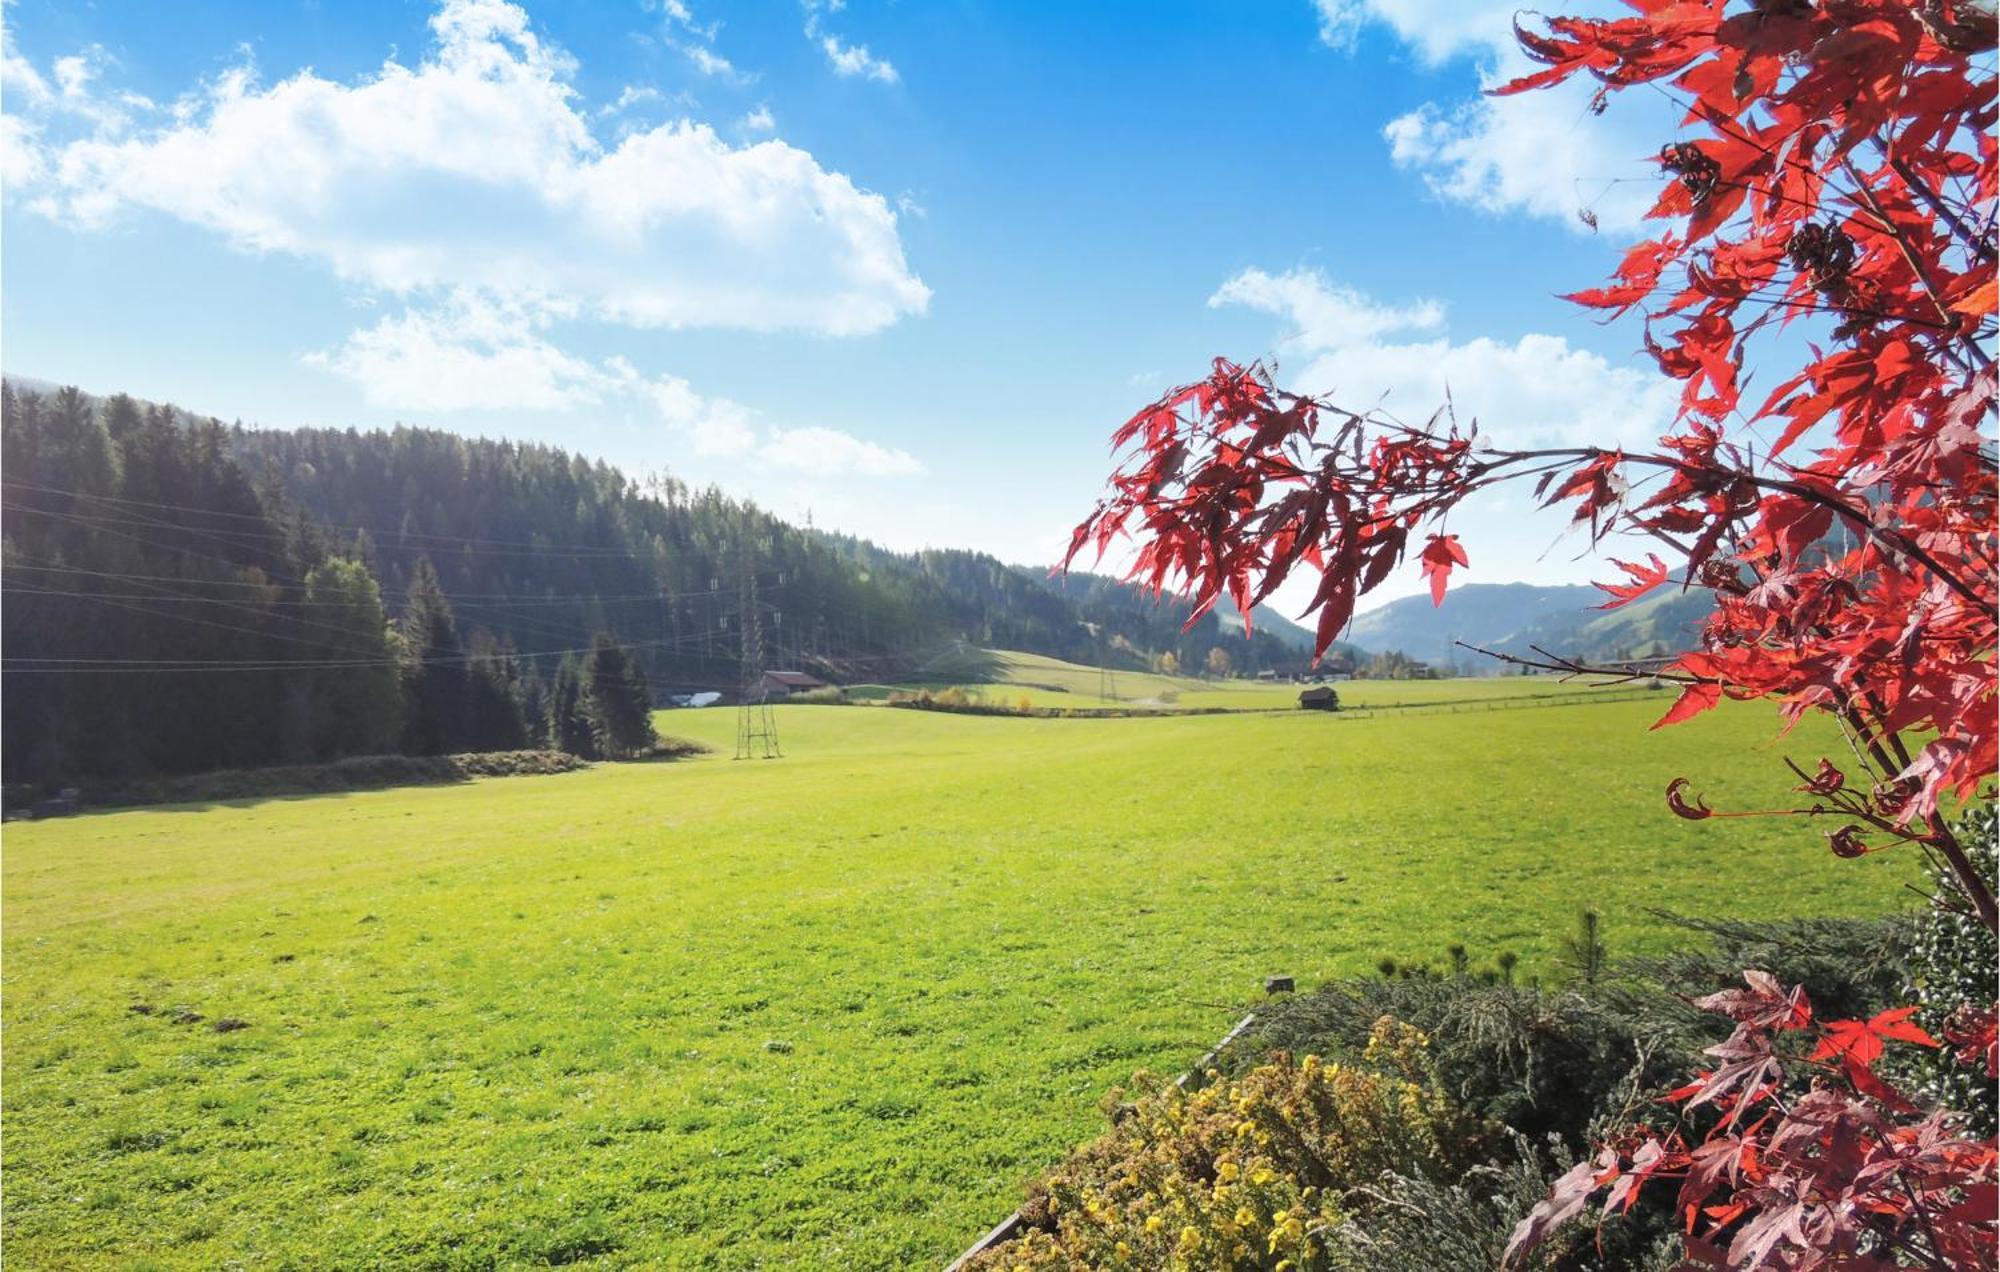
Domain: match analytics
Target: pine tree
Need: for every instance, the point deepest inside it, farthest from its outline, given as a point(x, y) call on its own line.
point(620, 701)
point(355, 710)
point(436, 696)
point(493, 710)
point(569, 711)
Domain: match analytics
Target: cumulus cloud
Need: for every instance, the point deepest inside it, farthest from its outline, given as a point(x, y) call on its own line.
point(761, 120)
point(1534, 390)
point(815, 449)
point(474, 352)
point(1437, 29)
point(845, 59)
point(475, 170)
point(716, 426)
point(471, 188)
point(1548, 153)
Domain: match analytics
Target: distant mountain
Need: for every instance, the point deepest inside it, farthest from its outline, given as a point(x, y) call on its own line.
point(1266, 619)
point(1514, 617)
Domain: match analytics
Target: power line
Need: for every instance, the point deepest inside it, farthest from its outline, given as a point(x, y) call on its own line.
point(263, 519)
point(134, 665)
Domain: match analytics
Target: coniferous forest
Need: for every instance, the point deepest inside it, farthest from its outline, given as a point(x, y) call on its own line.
point(183, 595)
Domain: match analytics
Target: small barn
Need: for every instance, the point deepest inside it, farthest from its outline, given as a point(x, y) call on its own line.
point(783, 684)
point(1319, 698)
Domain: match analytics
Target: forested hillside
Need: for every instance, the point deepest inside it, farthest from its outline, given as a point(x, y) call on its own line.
point(182, 595)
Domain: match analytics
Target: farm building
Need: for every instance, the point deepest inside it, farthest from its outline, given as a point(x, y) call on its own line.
point(1320, 698)
point(783, 684)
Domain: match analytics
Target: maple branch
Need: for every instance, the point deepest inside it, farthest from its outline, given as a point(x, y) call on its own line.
point(1935, 1258)
point(1909, 253)
point(1890, 539)
point(1974, 243)
point(1571, 668)
point(1977, 890)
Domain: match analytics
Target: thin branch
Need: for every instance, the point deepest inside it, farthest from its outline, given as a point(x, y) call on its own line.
point(1978, 246)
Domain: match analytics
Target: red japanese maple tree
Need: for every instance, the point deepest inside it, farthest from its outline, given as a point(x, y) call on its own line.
point(1836, 170)
point(1846, 1173)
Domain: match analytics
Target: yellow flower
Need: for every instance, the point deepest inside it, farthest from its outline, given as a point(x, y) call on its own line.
point(1229, 1171)
point(1262, 1175)
point(1124, 1251)
point(1190, 1239)
point(1245, 1217)
point(1154, 1223)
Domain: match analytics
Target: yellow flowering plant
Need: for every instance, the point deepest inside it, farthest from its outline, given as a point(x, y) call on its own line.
point(1250, 1172)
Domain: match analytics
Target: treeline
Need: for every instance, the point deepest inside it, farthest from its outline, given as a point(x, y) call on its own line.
point(166, 613)
point(539, 544)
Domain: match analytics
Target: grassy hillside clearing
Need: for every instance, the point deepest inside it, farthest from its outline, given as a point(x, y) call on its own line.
point(820, 1012)
point(1009, 677)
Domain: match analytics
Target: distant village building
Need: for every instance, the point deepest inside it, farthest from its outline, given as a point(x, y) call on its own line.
point(783, 684)
point(63, 804)
point(1320, 698)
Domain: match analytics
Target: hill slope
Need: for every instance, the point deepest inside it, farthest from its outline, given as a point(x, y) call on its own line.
point(144, 544)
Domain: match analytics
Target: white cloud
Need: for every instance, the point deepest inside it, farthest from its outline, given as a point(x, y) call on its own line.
point(761, 120)
point(633, 95)
point(1403, 359)
point(716, 426)
point(1545, 153)
point(472, 353)
point(23, 162)
point(478, 353)
point(1437, 29)
point(845, 59)
point(474, 170)
point(22, 87)
point(815, 449)
point(696, 42)
point(709, 62)
point(1548, 153)
point(1326, 316)
point(1535, 390)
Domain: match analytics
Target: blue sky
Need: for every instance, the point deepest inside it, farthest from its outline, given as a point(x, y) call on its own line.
point(902, 264)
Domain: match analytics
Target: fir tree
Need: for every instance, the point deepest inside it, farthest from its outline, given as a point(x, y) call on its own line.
point(620, 701)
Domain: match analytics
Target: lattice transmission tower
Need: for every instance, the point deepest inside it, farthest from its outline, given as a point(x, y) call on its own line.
point(756, 729)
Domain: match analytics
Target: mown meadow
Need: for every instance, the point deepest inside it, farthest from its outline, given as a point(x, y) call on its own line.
point(821, 1011)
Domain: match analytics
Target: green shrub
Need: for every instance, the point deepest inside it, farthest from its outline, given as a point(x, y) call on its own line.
point(830, 696)
point(1560, 1060)
point(1418, 1224)
point(356, 773)
point(1539, 1061)
point(1954, 962)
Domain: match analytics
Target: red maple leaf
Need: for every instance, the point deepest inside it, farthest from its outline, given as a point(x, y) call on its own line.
point(1440, 554)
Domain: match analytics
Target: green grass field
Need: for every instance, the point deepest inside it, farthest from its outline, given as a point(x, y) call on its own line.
point(825, 1011)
